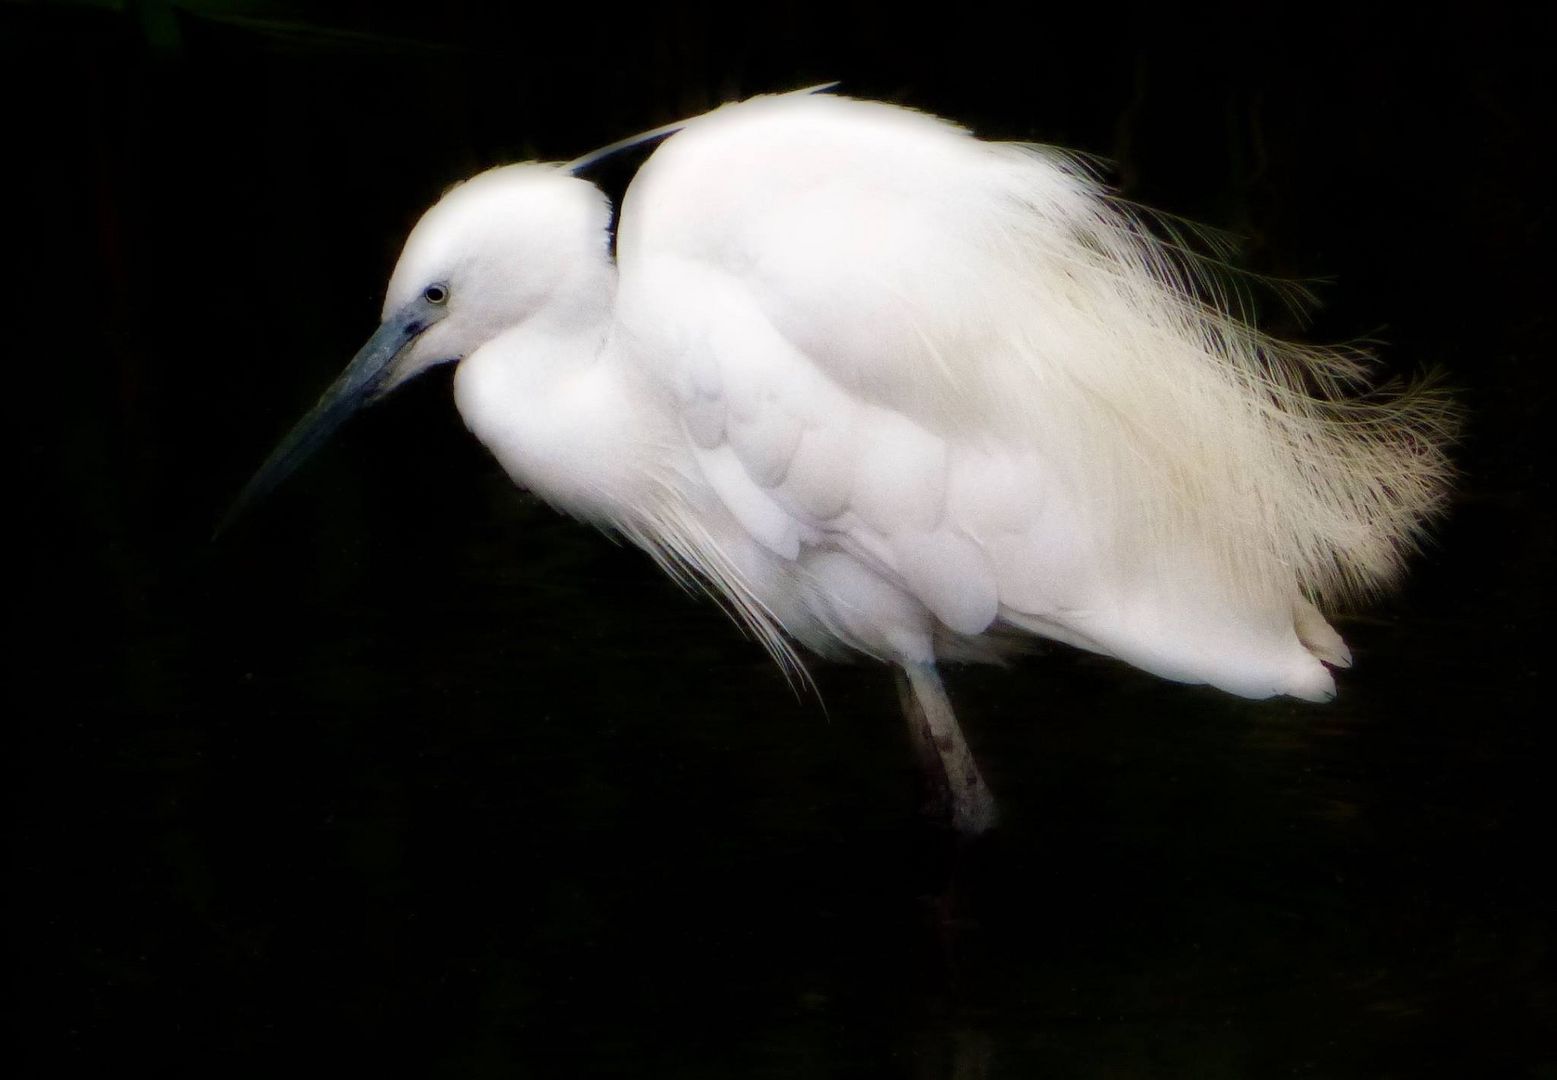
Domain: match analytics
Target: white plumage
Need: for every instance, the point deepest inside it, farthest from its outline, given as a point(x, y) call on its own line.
point(878, 384)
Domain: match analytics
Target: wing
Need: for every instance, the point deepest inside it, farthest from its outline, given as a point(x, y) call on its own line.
point(960, 362)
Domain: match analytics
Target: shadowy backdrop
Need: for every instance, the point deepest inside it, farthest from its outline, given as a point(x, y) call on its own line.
point(408, 773)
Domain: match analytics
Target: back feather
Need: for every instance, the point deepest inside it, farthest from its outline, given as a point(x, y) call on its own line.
point(1278, 458)
point(999, 291)
point(1002, 298)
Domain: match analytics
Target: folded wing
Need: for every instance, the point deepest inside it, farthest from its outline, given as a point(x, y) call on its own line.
point(962, 364)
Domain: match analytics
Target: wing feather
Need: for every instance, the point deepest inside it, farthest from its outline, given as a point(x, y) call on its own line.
point(970, 367)
point(986, 289)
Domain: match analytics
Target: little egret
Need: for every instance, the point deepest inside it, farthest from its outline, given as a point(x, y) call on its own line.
point(879, 386)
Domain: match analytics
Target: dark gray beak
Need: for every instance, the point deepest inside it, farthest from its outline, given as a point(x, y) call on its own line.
point(358, 385)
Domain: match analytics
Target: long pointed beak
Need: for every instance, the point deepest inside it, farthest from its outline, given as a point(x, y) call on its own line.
point(359, 384)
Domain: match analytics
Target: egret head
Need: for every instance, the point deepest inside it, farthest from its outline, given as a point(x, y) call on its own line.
point(510, 245)
point(514, 245)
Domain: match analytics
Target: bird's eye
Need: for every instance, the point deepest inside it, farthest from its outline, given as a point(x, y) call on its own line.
point(436, 294)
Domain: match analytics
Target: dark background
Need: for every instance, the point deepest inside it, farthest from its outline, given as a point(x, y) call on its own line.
point(407, 773)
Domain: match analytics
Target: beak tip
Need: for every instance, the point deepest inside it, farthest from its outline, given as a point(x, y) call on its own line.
point(230, 517)
point(365, 379)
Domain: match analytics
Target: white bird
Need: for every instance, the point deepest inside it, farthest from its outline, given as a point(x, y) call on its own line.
point(881, 387)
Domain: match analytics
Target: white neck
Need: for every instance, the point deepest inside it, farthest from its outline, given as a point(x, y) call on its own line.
point(561, 415)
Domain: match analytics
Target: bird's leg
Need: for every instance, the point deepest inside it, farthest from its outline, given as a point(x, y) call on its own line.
point(958, 791)
point(936, 789)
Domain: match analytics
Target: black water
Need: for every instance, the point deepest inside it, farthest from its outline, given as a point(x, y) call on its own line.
point(407, 774)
